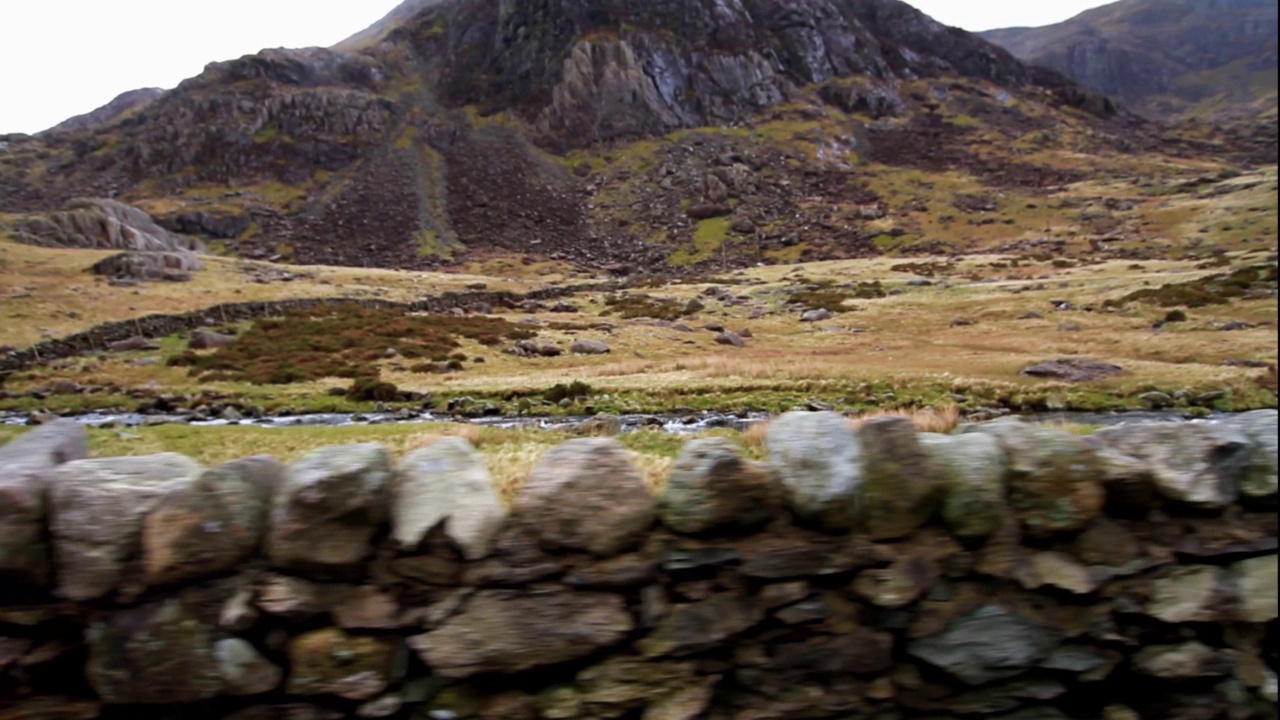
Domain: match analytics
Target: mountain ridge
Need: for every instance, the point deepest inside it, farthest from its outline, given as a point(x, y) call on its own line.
point(622, 134)
point(1164, 58)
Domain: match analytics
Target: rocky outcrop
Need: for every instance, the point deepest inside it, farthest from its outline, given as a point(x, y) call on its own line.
point(100, 224)
point(733, 600)
point(392, 149)
point(123, 105)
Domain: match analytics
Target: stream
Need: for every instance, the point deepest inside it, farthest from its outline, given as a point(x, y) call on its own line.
point(673, 423)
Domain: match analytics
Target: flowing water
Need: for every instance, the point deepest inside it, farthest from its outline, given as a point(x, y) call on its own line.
point(674, 423)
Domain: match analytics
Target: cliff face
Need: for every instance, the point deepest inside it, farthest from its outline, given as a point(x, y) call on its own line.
point(553, 128)
point(1164, 58)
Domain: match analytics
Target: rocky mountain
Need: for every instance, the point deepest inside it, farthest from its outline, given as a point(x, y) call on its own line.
point(622, 133)
point(1164, 58)
point(123, 104)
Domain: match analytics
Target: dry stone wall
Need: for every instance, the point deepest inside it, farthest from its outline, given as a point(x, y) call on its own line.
point(1008, 571)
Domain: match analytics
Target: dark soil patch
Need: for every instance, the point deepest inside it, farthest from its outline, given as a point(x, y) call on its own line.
point(341, 341)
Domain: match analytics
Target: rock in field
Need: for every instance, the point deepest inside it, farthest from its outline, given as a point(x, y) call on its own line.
point(212, 526)
point(589, 347)
point(328, 508)
point(712, 486)
point(446, 482)
point(819, 460)
point(25, 463)
point(98, 507)
point(506, 633)
point(586, 495)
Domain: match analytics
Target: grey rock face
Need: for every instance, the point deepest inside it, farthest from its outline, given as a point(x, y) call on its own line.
point(102, 224)
point(1188, 594)
point(589, 347)
point(501, 632)
point(446, 482)
point(819, 460)
point(243, 669)
point(1260, 427)
point(712, 486)
point(973, 469)
point(1256, 583)
point(991, 643)
point(98, 507)
point(1201, 465)
point(212, 526)
point(1183, 662)
point(1054, 480)
point(153, 654)
point(328, 509)
point(586, 495)
point(24, 464)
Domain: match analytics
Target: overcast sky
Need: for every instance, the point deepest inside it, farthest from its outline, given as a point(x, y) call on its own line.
point(61, 58)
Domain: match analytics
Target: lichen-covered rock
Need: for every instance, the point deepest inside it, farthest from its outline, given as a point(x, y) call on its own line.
point(447, 482)
point(243, 669)
point(973, 469)
point(1260, 478)
point(154, 654)
point(25, 463)
point(212, 526)
point(624, 684)
point(819, 459)
point(98, 507)
point(712, 486)
point(991, 643)
point(699, 626)
point(1256, 587)
point(901, 488)
point(1054, 476)
point(1188, 594)
point(586, 495)
point(328, 508)
point(331, 662)
point(500, 631)
point(1197, 464)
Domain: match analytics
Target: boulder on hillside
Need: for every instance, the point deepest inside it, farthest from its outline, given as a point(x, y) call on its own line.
point(101, 224)
point(173, 266)
point(204, 339)
point(590, 347)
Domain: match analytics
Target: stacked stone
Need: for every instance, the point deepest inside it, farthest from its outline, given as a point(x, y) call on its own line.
point(1007, 571)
